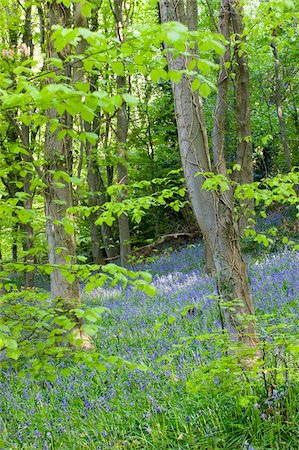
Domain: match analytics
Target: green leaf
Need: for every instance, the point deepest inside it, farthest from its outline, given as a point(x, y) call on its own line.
point(48, 270)
point(10, 343)
point(90, 328)
point(244, 401)
point(91, 137)
point(51, 377)
point(204, 66)
point(217, 46)
point(65, 371)
point(118, 68)
point(130, 99)
point(171, 319)
point(86, 9)
point(195, 84)
point(146, 276)
point(156, 74)
point(70, 277)
point(175, 76)
point(150, 290)
point(14, 354)
point(158, 326)
point(59, 185)
point(204, 90)
point(69, 228)
point(236, 167)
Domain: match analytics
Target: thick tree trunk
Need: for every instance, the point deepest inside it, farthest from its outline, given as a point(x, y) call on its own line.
point(58, 198)
point(189, 17)
point(214, 210)
point(282, 124)
point(58, 194)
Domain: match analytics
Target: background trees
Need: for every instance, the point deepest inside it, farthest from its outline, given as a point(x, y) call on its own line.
point(88, 129)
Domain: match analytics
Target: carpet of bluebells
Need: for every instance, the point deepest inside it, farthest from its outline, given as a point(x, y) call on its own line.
point(160, 409)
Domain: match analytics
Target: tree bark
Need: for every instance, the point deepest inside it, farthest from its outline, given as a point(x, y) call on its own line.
point(244, 138)
point(28, 202)
point(121, 138)
point(122, 175)
point(25, 139)
point(58, 193)
point(220, 112)
point(99, 234)
point(214, 210)
point(282, 124)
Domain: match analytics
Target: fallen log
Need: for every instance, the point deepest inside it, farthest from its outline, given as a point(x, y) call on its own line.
point(146, 250)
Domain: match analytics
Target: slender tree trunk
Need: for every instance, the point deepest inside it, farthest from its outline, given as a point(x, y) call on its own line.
point(2, 281)
point(100, 234)
point(282, 124)
point(122, 175)
point(25, 138)
point(214, 210)
point(96, 198)
point(121, 137)
point(58, 194)
point(244, 137)
point(28, 202)
point(294, 110)
point(220, 112)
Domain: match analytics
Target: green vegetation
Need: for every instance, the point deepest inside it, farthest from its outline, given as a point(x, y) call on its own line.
point(145, 148)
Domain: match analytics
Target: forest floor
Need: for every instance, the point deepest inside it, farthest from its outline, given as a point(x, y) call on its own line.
point(194, 395)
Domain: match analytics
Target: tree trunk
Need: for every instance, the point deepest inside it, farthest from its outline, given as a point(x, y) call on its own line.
point(58, 194)
point(100, 234)
point(244, 138)
point(25, 138)
point(29, 232)
point(121, 137)
point(122, 175)
point(96, 198)
point(282, 124)
point(214, 210)
point(220, 112)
